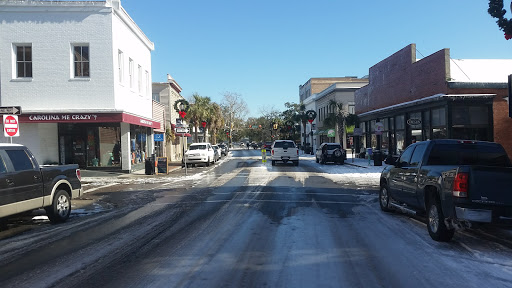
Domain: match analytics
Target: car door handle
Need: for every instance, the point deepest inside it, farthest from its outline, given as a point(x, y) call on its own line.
point(37, 178)
point(10, 182)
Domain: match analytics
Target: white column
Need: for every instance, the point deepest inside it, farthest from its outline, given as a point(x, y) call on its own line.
point(126, 150)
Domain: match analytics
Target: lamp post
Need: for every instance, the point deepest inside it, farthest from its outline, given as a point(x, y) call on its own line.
point(181, 106)
point(204, 130)
point(311, 116)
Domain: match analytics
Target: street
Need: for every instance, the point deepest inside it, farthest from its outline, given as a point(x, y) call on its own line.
point(244, 223)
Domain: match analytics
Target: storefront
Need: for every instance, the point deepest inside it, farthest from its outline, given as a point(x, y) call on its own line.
point(467, 117)
point(95, 141)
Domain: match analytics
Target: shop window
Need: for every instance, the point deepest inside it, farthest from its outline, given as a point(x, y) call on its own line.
point(415, 123)
point(439, 117)
point(400, 122)
point(400, 141)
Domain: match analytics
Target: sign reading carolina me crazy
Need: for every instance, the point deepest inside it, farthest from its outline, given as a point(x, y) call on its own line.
point(63, 117)
point(88, 118)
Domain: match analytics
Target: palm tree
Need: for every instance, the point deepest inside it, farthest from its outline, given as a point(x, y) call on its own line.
point(337, 119)
point(198, 112)
point(216, 120)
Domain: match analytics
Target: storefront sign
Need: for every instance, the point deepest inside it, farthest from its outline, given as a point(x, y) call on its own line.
point(159, 137)
point(162, 165)
point(379, 127)
point(414, 121)
point(331, 133)
point(88, 118)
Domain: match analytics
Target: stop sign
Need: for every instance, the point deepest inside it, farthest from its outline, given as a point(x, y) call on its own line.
point(11, 128)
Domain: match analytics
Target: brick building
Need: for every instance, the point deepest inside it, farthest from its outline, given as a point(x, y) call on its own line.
point(434, 97)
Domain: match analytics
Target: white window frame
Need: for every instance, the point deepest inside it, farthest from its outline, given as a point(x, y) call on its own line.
point(139, 70)
point(148, 92)
point(73, 62)
point(120, 65)
point(131, 72)
point(15, 61)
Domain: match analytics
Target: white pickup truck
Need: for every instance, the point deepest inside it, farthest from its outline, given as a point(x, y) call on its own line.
point(284, 151)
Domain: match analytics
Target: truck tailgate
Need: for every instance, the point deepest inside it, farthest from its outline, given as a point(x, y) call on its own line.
point(491, 185)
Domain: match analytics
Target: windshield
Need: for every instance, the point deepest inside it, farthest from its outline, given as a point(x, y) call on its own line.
point(197, 147)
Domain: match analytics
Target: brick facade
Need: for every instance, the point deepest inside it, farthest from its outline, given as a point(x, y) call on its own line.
point(400, 78)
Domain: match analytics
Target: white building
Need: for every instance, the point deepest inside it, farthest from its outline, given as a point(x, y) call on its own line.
point(81, 72)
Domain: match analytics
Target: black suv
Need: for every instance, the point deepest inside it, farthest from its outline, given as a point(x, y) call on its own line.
point(330, 152)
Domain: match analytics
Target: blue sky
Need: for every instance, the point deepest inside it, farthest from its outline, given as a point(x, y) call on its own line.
point(263, 50)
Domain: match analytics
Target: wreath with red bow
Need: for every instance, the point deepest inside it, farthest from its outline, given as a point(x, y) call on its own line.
point(496, 10)
point(186, 106)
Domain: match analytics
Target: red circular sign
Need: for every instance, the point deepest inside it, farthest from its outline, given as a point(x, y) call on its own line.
point(10, 126)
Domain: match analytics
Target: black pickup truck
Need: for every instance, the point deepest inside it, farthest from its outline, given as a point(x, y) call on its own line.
point(26, 186)
point(453, 182)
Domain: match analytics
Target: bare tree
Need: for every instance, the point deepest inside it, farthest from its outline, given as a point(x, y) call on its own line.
point(234, 109)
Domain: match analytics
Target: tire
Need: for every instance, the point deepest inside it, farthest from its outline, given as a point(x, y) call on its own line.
point(316, 159)
point(60, 209)
point(435, 221)
point(384, 198)
point(208, 162)
point(342, 161)
point(273, 163)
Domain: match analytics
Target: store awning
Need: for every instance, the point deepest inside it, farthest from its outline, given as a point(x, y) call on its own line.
point(183, 134)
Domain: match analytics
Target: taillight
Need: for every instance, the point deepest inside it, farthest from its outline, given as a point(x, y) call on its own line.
point(78, 174)
point(297, 152)
point(460, 185)
point(272, 151)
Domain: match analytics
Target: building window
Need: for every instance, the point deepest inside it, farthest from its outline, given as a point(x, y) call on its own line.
point(81, 61)
point(120, 65)
point(139, 70)
point(147, 84)
point(130, 71)
point(351, 109)
point(24, 61)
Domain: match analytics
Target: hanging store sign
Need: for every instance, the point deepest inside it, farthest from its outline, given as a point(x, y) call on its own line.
point(414, 121)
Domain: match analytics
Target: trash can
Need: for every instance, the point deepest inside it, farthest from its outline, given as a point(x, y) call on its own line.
point(377, 158)
point(150, 166)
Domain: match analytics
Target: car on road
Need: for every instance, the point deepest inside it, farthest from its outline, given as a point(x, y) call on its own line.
point(26, 186)
point(200, 153)
point(224, 149)
point(330, 152)
point(267, 146)
point(217, 152)
point(284, 151)
point(455, 183)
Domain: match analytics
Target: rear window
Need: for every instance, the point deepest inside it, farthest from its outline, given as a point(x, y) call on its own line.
point(334, 146)
point(468, 154)
point(284, 144)
point(20, 160)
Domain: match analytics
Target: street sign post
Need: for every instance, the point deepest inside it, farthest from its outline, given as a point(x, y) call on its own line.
point(11, 128)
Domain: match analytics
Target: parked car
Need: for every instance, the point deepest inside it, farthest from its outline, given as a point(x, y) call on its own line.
point(285, 151)
point(454, 182)
point(267, 146)
point(224, 149)
point(330, 152)
point(217, 153)
point(26, 186)
point(200, 153)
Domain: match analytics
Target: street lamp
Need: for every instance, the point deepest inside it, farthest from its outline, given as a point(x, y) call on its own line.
point(311, 116)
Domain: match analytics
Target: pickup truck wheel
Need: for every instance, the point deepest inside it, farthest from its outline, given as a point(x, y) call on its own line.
point(435, 222)
point(61, 207)
point(384, 198)
point(208, 162)
point(316, 159)
point(273, 163)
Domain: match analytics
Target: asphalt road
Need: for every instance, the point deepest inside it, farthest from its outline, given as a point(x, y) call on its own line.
point(241, 223)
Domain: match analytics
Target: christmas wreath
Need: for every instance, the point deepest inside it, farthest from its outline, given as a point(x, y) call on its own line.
point(496, 10)
point(179, 103)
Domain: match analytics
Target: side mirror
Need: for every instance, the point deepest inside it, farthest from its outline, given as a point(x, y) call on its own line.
point(391, 161)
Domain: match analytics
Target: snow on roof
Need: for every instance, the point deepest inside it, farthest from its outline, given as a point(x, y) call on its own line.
point(480, 70)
